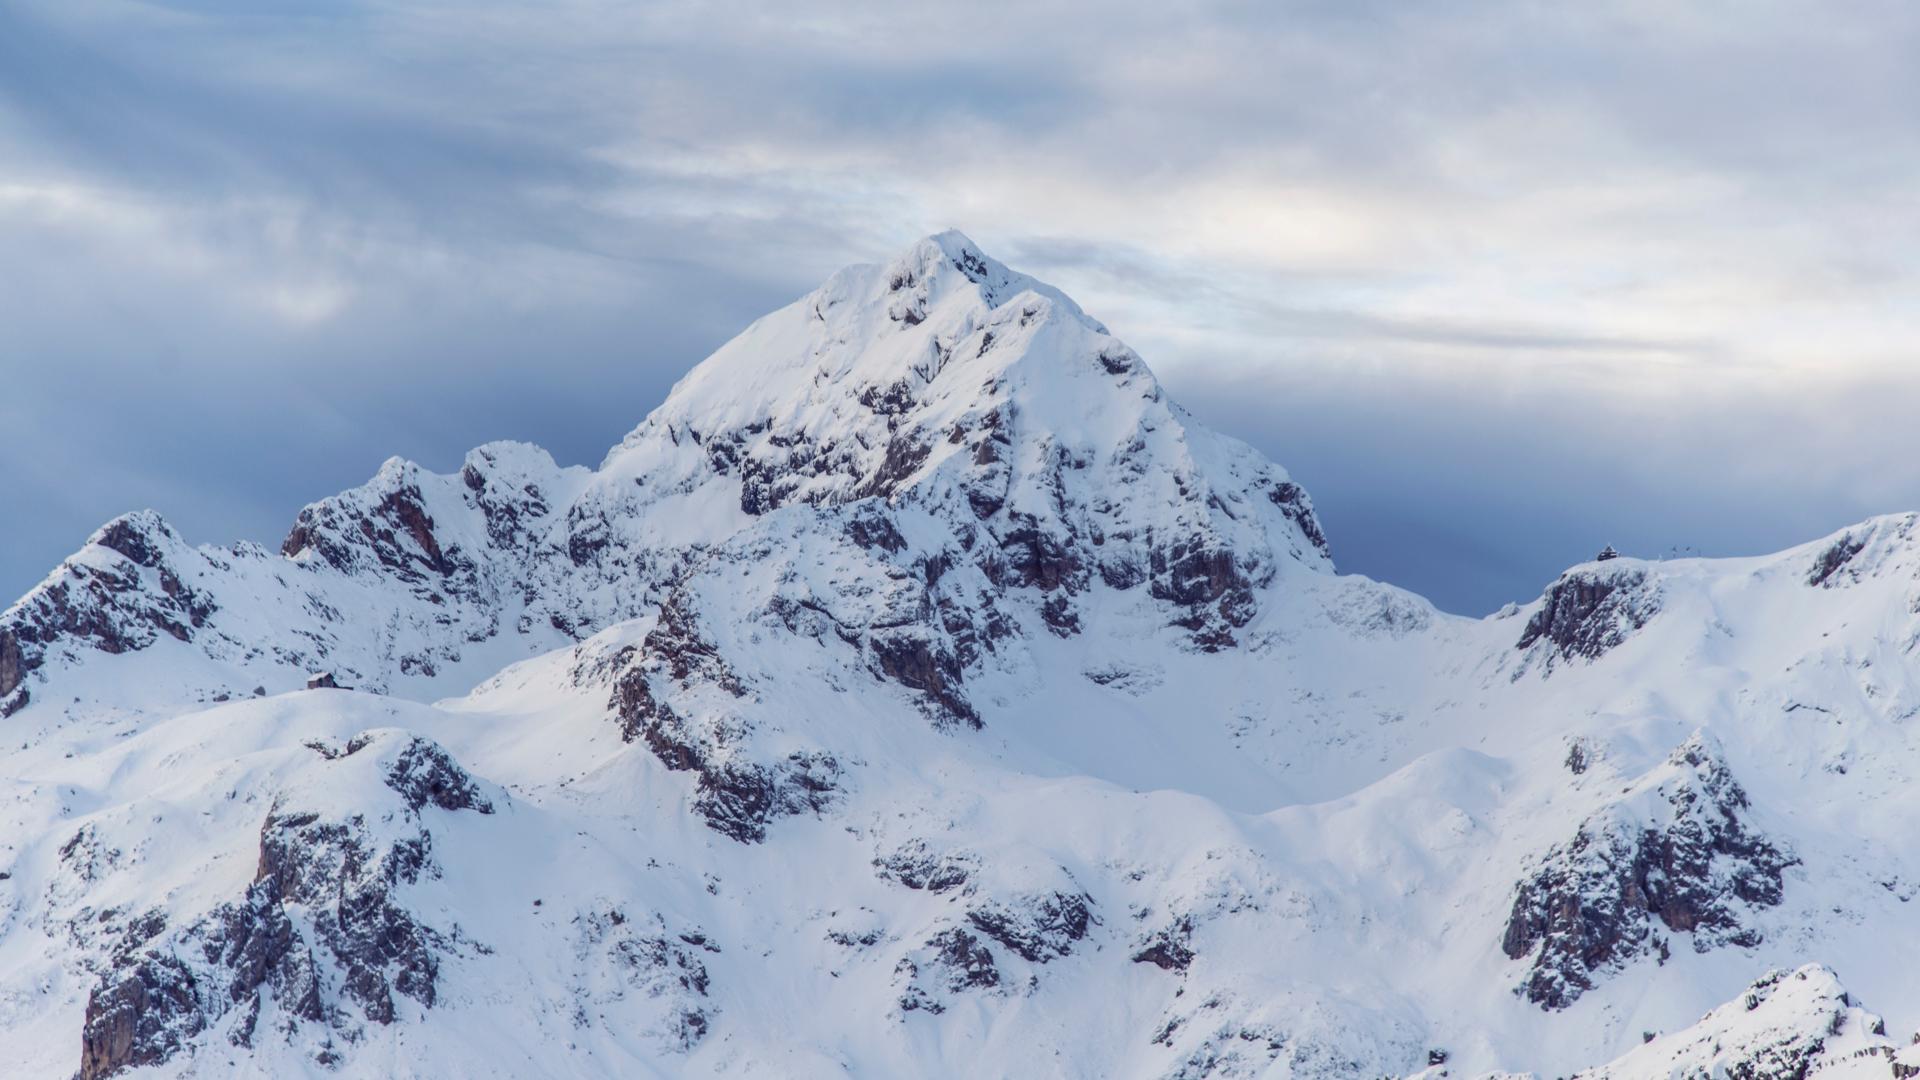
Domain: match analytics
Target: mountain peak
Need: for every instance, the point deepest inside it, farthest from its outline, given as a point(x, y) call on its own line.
point(991, 399)
point(878, 341)
point(945, 253)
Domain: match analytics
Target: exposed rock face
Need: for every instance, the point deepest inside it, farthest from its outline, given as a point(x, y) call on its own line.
point(624, 956)
point(1674, 852)
point(1832, 559)
point(1589, 611)
point(951, 962)
point(13, 671)
point(737, 796)
point(1873, 547)
point(1169, 948)
point(142, 1019)
point(338, 871)
point(1038, 927)
point(424, 775)
point(914, 659)
point(128, 586)
point(1292, 500)
point(396, 533)
point(916, 865)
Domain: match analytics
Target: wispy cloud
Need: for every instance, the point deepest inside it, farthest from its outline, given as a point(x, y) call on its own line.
point(251, 249)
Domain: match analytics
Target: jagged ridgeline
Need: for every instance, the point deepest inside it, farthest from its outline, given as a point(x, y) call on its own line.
point(919, 691)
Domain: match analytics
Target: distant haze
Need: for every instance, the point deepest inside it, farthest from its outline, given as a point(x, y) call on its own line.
point(1499, 284)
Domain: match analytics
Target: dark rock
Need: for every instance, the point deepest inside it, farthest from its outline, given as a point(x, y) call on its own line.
point(1039, 927)
point(587, 537)
point(136, 536)
point(736, 798)
point(1593, 904)
point(511, 512)
point(905, 454)
point(143, 1017)
point(1192, 575)
point(962, 963)
point(153, 1000)
point(1058, 613)
point(1211, 595)
point(342, 538)
point(739, 800)
point(112, 608)
point(1170, 948)
point(876, 530)
point(13, 664)
point(894, 399)
point(1578, 757)
point(156, 996)
point(1037, 558)
point(969, 963)
point(424, 774)
point(661, 965)
point(1830, 562)
point(1587, 612)
point(347, 886)
point(915, 865)
point(911, 658)
point(1292, 500)
point(256, 941)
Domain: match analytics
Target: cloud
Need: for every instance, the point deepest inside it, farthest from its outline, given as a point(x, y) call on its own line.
point(1522, 255)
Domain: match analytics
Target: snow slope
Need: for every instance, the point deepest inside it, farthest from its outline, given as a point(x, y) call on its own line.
point(918, 691)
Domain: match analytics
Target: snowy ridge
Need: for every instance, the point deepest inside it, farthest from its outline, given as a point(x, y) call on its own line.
point(914, 688)
point(1799, 1023)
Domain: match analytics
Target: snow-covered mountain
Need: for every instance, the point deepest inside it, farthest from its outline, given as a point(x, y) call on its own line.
point(918, 691)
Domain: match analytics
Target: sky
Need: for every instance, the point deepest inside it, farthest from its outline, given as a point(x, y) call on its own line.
point(1498, 283)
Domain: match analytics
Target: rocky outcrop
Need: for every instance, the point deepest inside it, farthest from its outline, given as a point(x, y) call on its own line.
point(423, 774)
point(1832, 558)
point(627, 957)
point(1207, 587)
point(917, 865)
point(1589, 611)
point(915, 658)
point(1035, 925)
point(129, 586)
point(13, 672)
point(1038, 927)
point(1674, 852)
point(1292, 500)
point(1169, 948)
point(736, 795)
point(334, 872)
point(143, 1018)
point(395, 533)
point(951, 962)
point(1882, 545)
